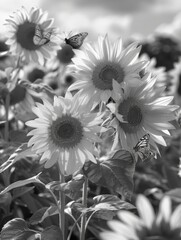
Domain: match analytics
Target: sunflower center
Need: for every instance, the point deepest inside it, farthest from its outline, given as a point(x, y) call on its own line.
point(66, 132)
point(131, 111)
point(179, 86)
point(105, 72)
point(134, 115)
point(159, 238)
point(35, 74)
point(66, 54)
point(25, 34)
point(108, 73)
point(17, 95)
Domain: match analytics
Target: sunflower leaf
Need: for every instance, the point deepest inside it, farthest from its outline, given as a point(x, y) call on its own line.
point(40, 215)
point(72, 188)
point(21, 152)
point(52, 232)
point(22, 183)
point(16, 229)
point(175, 194)
point(17, 192)
point(107, 205)
point(115, 173)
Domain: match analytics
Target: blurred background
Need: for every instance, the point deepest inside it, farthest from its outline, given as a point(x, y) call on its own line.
point(116, 17)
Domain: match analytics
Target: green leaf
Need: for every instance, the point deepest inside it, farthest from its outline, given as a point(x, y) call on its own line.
point(21, 183)
point(106, 206)
point(5, 202)
point(52, 232)
point(154, 193)
point(19, 136)
point(21, 152)
point(21, 191)
point(38, 88)
point(16, 229)
point(5, 199)
point(115, 173)
point(6, 149)
point(113, 200)
point(40, 215)
point(72, 189)
point(175, 194)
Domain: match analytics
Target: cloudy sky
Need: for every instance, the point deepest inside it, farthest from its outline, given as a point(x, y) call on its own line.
point(116, 17)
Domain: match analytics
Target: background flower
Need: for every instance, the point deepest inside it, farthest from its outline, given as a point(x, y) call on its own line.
point(174, 87)
point(165, 225)
point(156, 72)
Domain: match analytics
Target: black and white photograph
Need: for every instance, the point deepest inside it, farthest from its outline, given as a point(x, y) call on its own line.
point(90, 120)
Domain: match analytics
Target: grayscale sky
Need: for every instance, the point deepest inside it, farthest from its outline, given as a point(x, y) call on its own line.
point(115, 17)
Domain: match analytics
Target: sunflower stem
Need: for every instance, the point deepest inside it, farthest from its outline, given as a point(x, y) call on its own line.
point(84, 203)
point(101, 107)
point(62, 202)
point(6, 130)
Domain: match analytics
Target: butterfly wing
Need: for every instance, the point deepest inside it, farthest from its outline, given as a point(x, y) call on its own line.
point(46, 38)
point(40, 38)
point(77, 40)
point(143, 142)
point(38, 35)
point(142, 148)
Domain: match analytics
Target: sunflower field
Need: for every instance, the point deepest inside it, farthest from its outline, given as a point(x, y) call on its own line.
point(90, 133)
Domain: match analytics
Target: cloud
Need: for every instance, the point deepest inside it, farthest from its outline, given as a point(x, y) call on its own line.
point(173, 28)
point(7, 7)
point(114, 25)
point(72, 15)
point(121, 6)
point(163, 6)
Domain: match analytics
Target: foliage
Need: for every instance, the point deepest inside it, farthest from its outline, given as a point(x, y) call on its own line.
point(42, 203)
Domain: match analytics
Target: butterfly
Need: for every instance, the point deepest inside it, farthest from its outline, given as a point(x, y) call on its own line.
point(77, 40)
point(41, 38)
point(142, 148)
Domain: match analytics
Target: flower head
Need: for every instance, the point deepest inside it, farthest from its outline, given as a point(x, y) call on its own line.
point(65, 54)
point(138, 111)
point(97, 65)
point(165, 225)
point(65, 133)
point(31, 35)
point(158, 72)
point(164, 48)
point(174, 87)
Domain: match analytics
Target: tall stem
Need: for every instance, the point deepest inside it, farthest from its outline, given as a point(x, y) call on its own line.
point(62, 203)
point(6, 130)
point(84, 203)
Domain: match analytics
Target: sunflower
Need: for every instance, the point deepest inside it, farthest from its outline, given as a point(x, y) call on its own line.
point(65, 54)
point(98, 64)
point(158, 72)
point(31, 35)
point(165, 225)
point(34, 72)
point(22, 102)
point(174, 87)
point(22, 95)
point(65, 132)
point(138, 111)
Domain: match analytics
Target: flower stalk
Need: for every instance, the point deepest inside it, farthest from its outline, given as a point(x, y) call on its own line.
point(84, 203)
point(62, 204)
point(6, 130)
